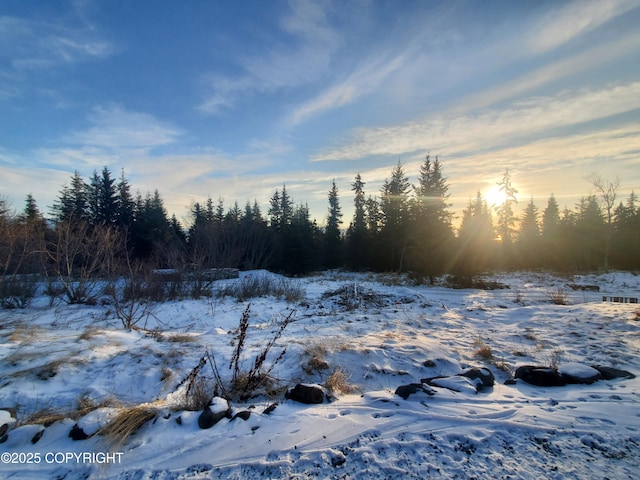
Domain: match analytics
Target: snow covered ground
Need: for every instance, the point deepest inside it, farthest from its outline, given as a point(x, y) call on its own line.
point(382, 332)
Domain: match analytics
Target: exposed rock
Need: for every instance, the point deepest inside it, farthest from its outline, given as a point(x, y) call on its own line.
point(455, 383)
point(244, 415)
point(609, 373)
point(577, 373)
point(405, 390)
point(77, 433)
point(484, 375)
point(270, 408)
point(212, 414)
point(306, 393)
point(540, 376)
point(36, 438)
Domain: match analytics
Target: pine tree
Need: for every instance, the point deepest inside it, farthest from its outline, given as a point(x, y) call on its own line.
point(357, 239)
point(626, 234)
point(125, 205)
point(590, 233)
point(528, 245)
point(333, 238)
point(275, 211)
point(475, 241)
point(395, 233)
point(506, 217)
point(102, 199)
point(431, 221)
point(72, 203)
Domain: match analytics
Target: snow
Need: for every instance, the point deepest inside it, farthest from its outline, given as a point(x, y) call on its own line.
point(393, 334)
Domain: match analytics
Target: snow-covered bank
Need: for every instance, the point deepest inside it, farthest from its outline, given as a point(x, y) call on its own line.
point(382, 333)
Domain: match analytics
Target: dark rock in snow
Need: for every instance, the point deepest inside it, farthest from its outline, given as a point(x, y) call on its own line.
point(540, 376)
point(306, 393)
point(36, 438)
point(244, 415)
point(208, 418)
point(609, 373)
point(482, 374)
point(77, 433)
point(270, 408)
point(576, 373)
point(405, 390)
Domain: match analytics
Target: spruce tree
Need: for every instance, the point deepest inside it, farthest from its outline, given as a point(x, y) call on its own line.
point(395, 233)
point(475, 241)
point(357, 238)
point(431, 221)
point(528, 244)
point(506, 217)
point(332, 236)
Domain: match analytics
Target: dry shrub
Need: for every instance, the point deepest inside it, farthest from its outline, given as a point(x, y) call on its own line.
point(338, 382)
point(48, 417)
point(44, 417)
point(125, 424)
point(180, 338)
point(484, 351)
point(198, 395)
point(558, 296)
point(316, 358)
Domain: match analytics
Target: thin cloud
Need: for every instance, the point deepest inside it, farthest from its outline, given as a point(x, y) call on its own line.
point(569, 21)
point(114, 128)
point(362, 82)
point(296, 62)
point(35, 44)
point(488, 128)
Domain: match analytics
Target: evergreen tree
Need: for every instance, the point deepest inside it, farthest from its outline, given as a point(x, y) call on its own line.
point(506, 217)
point(125, 204)
point(528, 245)
point(333, 238)
point(357, 237)
point(475, 241)
point(550, 234)
point(590, 232)
point(72, 203)
point(395, 233)
point(31, 212)
point(102, 199)
point(626, 234)
point(275, 211)
point(431, 226)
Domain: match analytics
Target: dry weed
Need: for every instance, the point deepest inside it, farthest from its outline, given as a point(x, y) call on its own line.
point(338, 382)
point(125, 424)
point(316, 355)
point(484, 351)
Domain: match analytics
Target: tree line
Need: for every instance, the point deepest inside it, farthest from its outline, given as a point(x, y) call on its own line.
point(405, 227)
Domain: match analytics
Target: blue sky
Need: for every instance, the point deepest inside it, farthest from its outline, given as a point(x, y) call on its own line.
point(233, 99)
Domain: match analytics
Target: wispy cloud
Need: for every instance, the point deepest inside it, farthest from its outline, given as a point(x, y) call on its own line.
point(361, 82)
point(453, 133)
point(36, 44)
point(567, 22)
point(113, 127)
point(307, 54)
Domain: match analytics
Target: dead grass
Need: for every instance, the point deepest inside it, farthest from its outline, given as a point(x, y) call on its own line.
point(180, 338)
point(338, 382)
point(89, 333)
point(198, 395)
point(316, 355)
point(48, 417)
point(125, 424)
point(558, 296)
point(484, 351)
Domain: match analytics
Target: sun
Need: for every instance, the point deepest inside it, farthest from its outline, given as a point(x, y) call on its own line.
point(495, 197)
